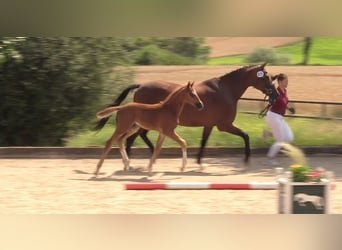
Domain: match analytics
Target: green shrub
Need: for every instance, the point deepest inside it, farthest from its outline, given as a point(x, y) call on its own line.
point(149, 55)
point(167, 51)
point(266, 54)
point(154, 55)
point(262, 54)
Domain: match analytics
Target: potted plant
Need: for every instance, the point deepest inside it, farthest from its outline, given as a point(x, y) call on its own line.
point(302, 189)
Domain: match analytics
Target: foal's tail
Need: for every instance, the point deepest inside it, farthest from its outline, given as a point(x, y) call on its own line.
point(100, 124)
point(107, 112)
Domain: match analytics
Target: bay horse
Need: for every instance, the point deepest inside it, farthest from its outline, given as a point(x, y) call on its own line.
point(162, 117)
point(219, 95)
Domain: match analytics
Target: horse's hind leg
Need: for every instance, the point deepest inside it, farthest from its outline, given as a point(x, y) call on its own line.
point(173, 135)
point(156, 152)
point(205, 135)
point(143, 135)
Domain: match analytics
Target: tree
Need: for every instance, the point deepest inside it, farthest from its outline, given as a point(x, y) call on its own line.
point(50, 86)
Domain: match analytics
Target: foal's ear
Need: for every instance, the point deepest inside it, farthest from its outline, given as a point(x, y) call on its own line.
point(263, 65)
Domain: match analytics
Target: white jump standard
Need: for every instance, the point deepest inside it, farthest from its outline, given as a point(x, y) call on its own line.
point(201, 186)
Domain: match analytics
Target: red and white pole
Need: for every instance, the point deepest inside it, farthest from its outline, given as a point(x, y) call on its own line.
point(201, 185)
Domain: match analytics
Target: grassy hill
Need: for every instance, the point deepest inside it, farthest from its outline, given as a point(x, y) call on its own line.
point(324, 51)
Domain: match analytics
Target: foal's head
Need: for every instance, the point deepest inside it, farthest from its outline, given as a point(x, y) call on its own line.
point(192, 97)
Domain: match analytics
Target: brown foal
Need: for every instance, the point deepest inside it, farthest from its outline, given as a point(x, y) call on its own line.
point(162, 117)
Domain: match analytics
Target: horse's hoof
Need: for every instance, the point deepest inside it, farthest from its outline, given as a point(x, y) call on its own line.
point(246, 161)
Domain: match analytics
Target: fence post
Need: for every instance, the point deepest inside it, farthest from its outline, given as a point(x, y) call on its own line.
point(324, 110)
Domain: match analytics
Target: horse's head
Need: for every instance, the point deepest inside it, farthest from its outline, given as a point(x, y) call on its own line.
point(192, 96)
point(263, 82)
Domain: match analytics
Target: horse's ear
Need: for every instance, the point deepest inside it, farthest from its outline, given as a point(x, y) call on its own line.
point(190, 84)
point(263, 65)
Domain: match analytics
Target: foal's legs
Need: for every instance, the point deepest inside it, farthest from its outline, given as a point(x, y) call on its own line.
point(105, 152)
point(173, 135)
point(129, 142)
point(156, 152)
point(118, 135)
point(121, 143)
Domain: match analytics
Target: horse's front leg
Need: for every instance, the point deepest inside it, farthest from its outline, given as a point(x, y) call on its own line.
point(143, 135)
point(236, 131)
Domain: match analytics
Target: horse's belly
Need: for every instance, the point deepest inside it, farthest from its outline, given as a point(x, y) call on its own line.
point(208, 116)
point(196, 119)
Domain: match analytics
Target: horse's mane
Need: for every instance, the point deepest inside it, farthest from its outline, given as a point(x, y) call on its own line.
point(237, 72)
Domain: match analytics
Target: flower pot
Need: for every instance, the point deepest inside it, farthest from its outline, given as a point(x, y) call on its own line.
point(303, 197)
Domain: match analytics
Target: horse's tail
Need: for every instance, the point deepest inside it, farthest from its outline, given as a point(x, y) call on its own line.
point(100, 124)
point(107, 112)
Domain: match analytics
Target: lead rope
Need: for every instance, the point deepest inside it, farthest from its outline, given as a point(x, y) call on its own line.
point(264, 111)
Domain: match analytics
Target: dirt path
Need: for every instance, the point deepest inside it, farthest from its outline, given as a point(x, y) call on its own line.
point(59, 186)
point(224, 46)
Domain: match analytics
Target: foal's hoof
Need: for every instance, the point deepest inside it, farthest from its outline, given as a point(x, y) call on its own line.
point(202, 166)
point(130, 168)
point(150, 173)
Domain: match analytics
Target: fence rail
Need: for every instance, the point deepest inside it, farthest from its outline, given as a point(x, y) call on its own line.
point(323, 109)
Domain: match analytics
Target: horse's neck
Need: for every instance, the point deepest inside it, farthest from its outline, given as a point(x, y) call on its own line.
point(236, 87)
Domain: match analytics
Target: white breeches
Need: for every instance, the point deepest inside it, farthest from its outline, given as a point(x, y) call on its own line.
point(280, 130)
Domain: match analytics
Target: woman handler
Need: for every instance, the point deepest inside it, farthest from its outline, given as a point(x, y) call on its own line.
point(275, 118)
